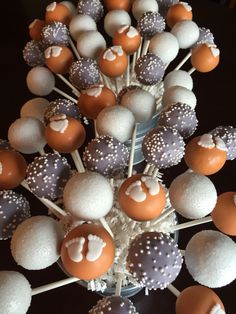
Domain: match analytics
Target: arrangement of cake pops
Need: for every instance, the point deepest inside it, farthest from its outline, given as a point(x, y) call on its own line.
point(108, 225)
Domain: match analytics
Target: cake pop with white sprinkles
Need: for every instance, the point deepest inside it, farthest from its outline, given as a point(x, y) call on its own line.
point(33, 53)
point(205, 36)
point(154, 260)
point(55, 33)
point(14, 208)
point(47, 175)
point(115, 305)
point(150, 23)
point(180, 117)
point(163, 147)
point(106, 155)
point(93, 8)
point(84, 73)
point(149, 69)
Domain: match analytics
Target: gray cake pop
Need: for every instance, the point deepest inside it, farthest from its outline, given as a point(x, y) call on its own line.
point(150, 23)
point(55, 33)
point(33, 53)
point(93, 8)
point(114, 305)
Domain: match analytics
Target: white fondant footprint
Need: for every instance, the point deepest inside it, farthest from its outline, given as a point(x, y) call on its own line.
point(95, 246)
point(74, 248)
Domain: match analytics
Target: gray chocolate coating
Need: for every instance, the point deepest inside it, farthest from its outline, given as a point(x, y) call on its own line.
point(149, 69)
point(33, 53)
point(154, 260)
point(163, 147)
point(114, 305)
point(106, 155)
point(150, 23)
point(180, 117)
point(55, 33)
point(14, 208)
point(84, 73)
point(47, 175)
point(93, 8)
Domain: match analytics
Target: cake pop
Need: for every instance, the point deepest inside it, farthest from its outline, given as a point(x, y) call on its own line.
point(27, 135)
point(149, 69)
point(35, 107)
point(33, 53)
point(94, 99)
point(154, 260)
point(178, 12)
point(35, 29)
point(114, 20)
point(192, 195)
point(128, 38)
point(47, 175)
point(163, 147)
point(15, 297)
point(36, 242)
point(210, 258)
point(165, 46)
point(81, 23)
point(90, 44)
point(93, 8)
point(178, 78)
point(55, 33)
point(205, 57)
point(150, 23)
point(114, 304)
point(57, 12)
point(84, 73)
point(186, 32)
point(64, 134)
point(205, 37)
point(13, 169)
point(224, 213)
point(58, 59)
point(180, 117)
point(176, 94)
point(205, 154)
point(198, 299)
point(71, 7)
point(140, 7)
point(142, 197)
point(87, 251)
point(40, 81)
point(116, 121)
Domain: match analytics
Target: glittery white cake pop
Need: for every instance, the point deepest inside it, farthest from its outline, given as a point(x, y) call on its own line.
point(88, 196)
point(175, 94)
point(35, 108)
point(210, 257)
point(139, 7)
point(192, 195)
point(27, 135)
point(36, 242)
point(15, 296)
point(116, 121)
point(114, 20)
point(178, 78)
point(187, 33)
point(40, 81)
point(165, 46)
point(81, 23)
point(90, 44)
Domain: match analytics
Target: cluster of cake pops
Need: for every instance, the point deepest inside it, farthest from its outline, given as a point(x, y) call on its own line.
point(107, 224)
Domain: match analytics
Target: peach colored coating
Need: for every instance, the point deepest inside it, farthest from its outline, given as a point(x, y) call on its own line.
point(129, 45)
point(117, 5)
point(60, 14)
point(60, 64)
point(203, 60)
point(177, 13)
point(35, 29)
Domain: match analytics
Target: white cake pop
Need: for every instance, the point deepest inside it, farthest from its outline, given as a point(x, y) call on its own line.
point(40, 81)
point(36, 242)
point(178, 78)
point(114, 20)
point(70, 6)
point(35, 108)
point(116, 121)
point(81, 23)
point(27, 135)
point(165, 46)
point(139, 7)
point(132, 100)
point(187, 33)
point(15, 296)
point(210, 257)
point(90, 44)
point(88, 196)
point(192, 195)
point(181, 94)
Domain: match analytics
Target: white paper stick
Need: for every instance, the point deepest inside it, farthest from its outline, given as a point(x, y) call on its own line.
point(183, 61)
point(68, 83)
point(77, 161)
point(139, 50)
point(119, 285)
point(106, 226)
point(151, 169)
point(191, 71)
point(191, 223)
point(133, 63)
point(41, 152)
point(145, 171)
point(74, 49)
point(106, 81)
point(145, 47)
point(132, 151)
point(155, 172)
point(64, 94)
point(54, 285)
point(128, 73)
point(165, 214)
point(116, 85)
point(95, 128)
point(175, 291)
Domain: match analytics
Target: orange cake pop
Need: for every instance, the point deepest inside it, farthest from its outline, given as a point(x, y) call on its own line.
point(205, 57)
point(87, 251)
point(178, 12)
point(59, 59)
point(128, 38)
point(35, 29)
point(12, 169)
point(205, 154)
point(117, 5)
point(94, 99)
point(113, 61)
point(58, 12)
point(224, 213)
point(142, 197)
point(64, 134)
point(198, 300)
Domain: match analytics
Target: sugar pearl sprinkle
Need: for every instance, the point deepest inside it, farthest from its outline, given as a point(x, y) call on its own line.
point(154, 260)
point(114, 305)
point(94, 8)
point(150, 23)
point(55, 33)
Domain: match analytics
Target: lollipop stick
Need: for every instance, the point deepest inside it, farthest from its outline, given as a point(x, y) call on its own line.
point(61, 77)
point(118, 285)
point(150, 171)
point(155, 172)
point(133, 63)
point(106, 81)
point(139, 51)
point(128, 72)
point(183, 61)
point(145, 171)
point(74, 49)
point(191, 71)
point(106, 226)
point(164, 215)
point(117, 85)
point(95, 128)
point(42, 152)
point(77, 160)
point(131, 156)
point(175, 291)
point(64, 94)
point(54, 285)
point(191, 223)
point(145, 47)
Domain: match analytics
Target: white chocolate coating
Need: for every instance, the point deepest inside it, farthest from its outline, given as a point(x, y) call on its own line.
point(139, 7)
point(90, 44)
point(40, 81)
point(186, 32)
point(114, 20)
point(81, 23)
point(180, 78)
point(179, 94)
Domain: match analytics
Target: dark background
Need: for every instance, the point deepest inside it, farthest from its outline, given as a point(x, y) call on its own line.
point(216, 106)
